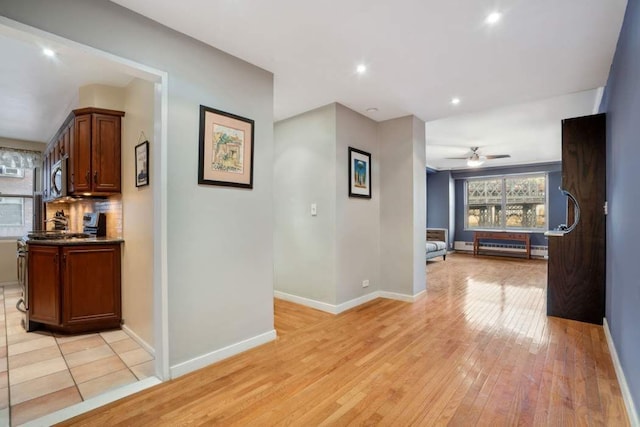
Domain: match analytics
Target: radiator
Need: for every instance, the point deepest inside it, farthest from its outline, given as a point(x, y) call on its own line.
point(536, 251)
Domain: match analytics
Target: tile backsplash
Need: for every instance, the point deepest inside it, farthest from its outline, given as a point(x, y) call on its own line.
point(111, 206)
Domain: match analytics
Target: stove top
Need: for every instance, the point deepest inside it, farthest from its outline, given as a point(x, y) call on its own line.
point(55, 235)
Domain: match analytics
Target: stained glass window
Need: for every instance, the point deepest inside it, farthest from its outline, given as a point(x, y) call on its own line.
point(509, 202)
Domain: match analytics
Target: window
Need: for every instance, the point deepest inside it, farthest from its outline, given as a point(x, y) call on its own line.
point(516, 202)
point(16, 191)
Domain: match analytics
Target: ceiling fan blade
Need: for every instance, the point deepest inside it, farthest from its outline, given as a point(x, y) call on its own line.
point(498, 156)
point(457, 158)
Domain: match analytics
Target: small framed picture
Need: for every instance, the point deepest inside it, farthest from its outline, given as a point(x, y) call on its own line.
point(359, 173)
point(142, 164)
point(226, 149)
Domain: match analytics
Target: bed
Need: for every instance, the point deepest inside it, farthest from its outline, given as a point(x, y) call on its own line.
point(436, 244)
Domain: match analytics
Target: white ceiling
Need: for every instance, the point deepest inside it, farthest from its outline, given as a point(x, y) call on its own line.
point(529, 132)
point(37, 92)
point(419, 53)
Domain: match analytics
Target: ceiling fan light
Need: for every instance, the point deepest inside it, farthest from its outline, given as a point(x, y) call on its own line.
point(474, 163)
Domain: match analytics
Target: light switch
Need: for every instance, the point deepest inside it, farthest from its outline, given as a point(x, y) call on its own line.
point(314, 209)
point(606, 208)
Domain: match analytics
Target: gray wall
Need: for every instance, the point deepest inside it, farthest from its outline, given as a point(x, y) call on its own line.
point(325, 257)
point(557, 202)
point(220, 250)
point(357, 220)
point(622, 105)
point(402, 205)
point(305, 173)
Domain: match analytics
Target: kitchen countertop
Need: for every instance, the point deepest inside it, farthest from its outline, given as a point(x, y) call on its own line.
point(75, 241)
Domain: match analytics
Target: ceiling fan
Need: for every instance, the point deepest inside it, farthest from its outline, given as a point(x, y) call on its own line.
point(474, 159)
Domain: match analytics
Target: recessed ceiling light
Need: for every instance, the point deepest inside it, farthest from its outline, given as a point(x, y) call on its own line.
point(48, 52)
point(372, 110)
point(360, 69)
point(493, 18)
point(455, 101)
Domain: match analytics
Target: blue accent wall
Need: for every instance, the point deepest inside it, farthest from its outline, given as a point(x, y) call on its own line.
point(557, 202)
point(622, 105)
point(440, 202)
point(438, 199)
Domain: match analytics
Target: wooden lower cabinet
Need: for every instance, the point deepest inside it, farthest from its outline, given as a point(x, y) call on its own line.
point(75, 288)
point(44, 284)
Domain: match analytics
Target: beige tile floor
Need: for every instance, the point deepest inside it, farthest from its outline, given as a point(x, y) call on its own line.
point(41, 372)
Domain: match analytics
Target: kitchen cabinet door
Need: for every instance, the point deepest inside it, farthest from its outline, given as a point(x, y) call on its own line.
point(105, 156)
point(44, 284)
point(69, 141)
point(91, 278)
point(81, 154)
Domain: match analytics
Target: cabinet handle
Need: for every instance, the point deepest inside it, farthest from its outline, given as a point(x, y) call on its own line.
point(72, 179)
point(55, 259)
point(87, 177)
point(64, 259)
point(95, 177)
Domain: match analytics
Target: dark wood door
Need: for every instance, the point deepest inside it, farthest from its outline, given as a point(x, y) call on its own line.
point(81, 154)
point(91, 279)
point(106, 153)
point(44, 284)
point(576, 283)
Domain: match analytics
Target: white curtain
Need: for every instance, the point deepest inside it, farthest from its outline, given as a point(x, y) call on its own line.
point(23, 159)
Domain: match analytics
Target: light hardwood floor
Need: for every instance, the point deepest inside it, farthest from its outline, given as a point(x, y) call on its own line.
point(477, 349)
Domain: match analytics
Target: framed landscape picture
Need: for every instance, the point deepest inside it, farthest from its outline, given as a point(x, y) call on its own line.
point(359, 173)
point(226, 149)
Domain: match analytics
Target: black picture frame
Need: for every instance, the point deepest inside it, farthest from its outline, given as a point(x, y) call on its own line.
point(225, 155)
point(359, 173)
point(142, 164)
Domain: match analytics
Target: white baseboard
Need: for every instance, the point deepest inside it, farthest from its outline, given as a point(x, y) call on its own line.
point(337, 309)
point(223, 353)
point(356, 302)
point(93, 403)
point(624, 387)
point(139, 340)
point(401, 297)
point(318, 305)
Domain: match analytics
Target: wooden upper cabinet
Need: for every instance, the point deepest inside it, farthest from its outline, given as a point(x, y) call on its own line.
point(94, 155)
point(91, 140)
point(69, 140)
point(105, 153)
point(80, 155)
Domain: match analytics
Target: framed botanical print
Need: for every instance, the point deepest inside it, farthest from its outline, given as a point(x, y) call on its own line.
point(226, 149)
